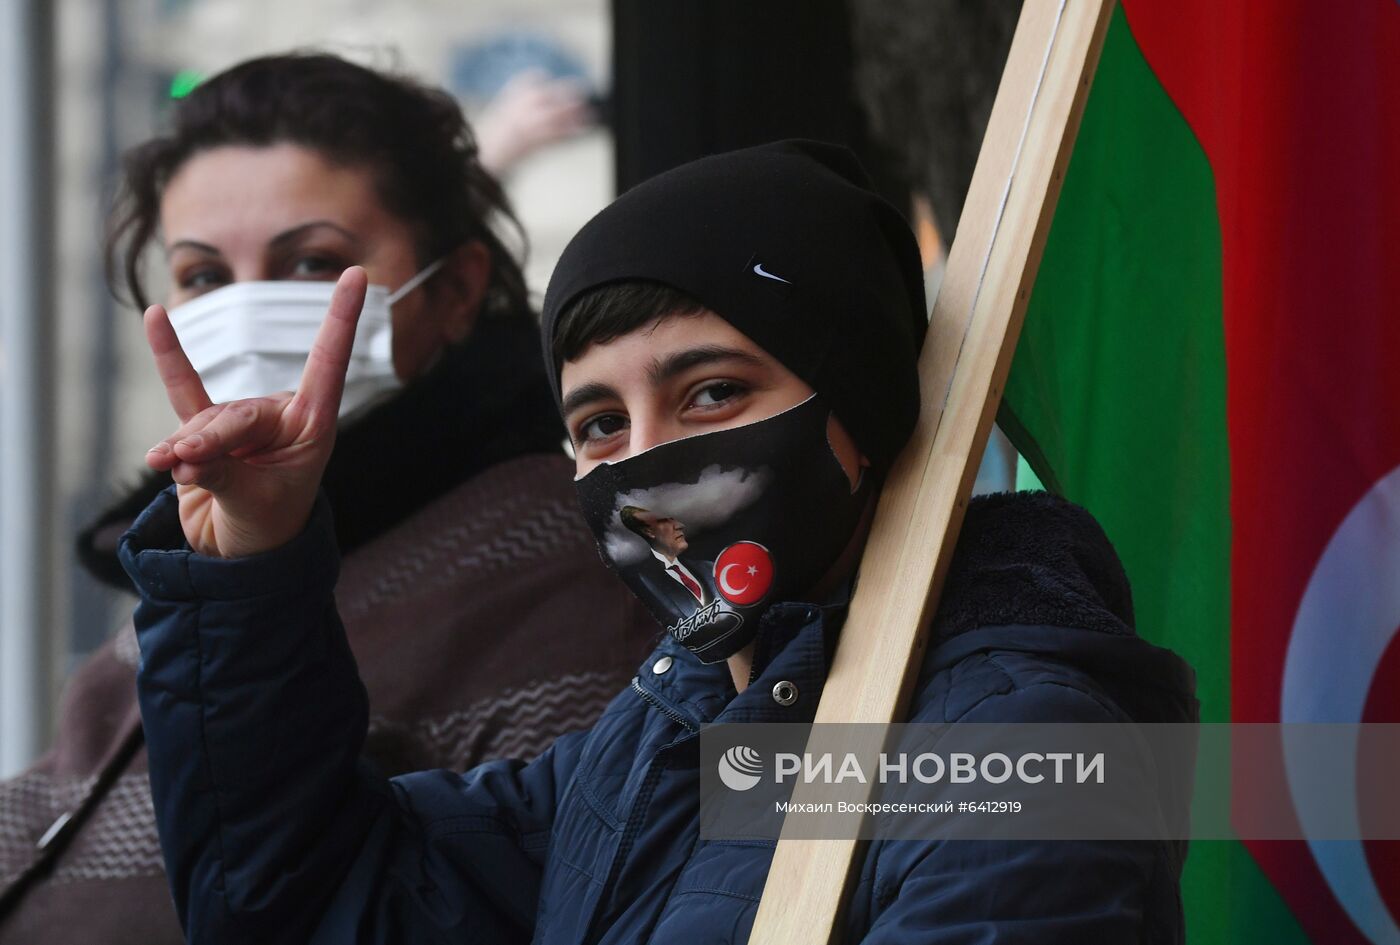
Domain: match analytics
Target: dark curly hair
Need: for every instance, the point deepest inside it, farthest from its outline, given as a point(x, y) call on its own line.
point(412, 137)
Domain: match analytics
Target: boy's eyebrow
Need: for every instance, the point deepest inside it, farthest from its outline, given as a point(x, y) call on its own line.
point(586, 394)
point(681, 361)
point(660, 371)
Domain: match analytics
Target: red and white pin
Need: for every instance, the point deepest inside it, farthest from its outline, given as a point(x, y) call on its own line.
point(744, 573)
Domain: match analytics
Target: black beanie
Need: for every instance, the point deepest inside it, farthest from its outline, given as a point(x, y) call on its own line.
point(789, 244)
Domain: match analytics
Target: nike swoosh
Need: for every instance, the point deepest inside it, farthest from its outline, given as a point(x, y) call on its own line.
point(759, 271)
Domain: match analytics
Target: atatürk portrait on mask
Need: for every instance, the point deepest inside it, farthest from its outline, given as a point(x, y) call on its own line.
point(689, 583)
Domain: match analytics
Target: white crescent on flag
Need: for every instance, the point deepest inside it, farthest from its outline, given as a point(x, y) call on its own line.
point(1348, 616)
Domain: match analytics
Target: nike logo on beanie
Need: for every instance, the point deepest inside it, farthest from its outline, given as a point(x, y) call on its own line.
point(760, 271)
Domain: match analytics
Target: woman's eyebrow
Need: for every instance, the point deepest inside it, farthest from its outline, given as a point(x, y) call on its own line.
point(277, 242)
point(195, 245)
point(681, 361)
point(297, 232)
point(586, 394)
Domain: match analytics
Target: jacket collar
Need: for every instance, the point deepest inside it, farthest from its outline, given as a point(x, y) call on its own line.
point(1031, 571)
point(796, 643)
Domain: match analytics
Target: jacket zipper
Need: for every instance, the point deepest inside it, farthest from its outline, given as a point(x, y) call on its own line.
point(661, 707)
point(596, 931)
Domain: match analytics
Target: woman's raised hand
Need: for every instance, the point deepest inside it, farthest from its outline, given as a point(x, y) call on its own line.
point(247, 471)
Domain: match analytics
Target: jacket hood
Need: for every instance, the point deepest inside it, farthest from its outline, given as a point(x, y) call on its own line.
point(1035, 573)
point(484, 402)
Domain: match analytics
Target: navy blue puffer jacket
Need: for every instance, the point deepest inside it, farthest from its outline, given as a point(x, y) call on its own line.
point(273, 831)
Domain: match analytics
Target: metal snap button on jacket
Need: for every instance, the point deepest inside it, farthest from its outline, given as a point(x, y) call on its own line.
point(784, 693)
point(661, 665)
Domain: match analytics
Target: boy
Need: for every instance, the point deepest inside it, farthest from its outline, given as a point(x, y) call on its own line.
point(733, 345)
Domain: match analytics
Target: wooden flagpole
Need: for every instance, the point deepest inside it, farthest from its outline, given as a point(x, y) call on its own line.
point(966, 357)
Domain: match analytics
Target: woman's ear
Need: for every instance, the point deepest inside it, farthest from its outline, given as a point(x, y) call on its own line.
point(461, 289)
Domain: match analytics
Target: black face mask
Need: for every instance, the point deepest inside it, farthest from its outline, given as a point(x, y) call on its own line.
point(710, 530)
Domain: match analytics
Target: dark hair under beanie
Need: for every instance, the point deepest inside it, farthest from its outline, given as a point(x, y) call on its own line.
point(787, 243)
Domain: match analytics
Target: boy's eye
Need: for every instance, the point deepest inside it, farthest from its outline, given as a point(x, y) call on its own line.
point(601, 427)
point(712, 395)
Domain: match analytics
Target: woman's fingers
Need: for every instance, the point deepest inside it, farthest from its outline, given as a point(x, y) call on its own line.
point(212, 476)
point(323, 379)
point(162, 455)
point(243, 426)
point(253, 464)
point(182, 383)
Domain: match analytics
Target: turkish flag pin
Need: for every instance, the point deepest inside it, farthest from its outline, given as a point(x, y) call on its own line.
point(744, 573)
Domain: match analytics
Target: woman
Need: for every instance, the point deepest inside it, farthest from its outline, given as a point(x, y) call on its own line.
point(466, 567)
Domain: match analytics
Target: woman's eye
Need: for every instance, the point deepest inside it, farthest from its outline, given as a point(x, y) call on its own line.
point(203, 278)
point(316, 267)
point(600, 428)
point(712, 395)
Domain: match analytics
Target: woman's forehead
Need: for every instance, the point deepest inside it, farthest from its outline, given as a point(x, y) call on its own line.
point(232, 193)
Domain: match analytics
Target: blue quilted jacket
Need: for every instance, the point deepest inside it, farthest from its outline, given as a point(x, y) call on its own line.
point(274, 831)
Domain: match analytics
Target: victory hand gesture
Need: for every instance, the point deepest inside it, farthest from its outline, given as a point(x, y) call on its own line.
point(247, 471)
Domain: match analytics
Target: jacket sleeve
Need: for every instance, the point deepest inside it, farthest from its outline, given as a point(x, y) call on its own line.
point(1025, 892)
point(271, 827)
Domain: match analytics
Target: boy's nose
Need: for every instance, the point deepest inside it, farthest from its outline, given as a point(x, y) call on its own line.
point(649, 431)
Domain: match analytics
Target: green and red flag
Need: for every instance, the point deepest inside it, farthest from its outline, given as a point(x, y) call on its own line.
point(1211, 364)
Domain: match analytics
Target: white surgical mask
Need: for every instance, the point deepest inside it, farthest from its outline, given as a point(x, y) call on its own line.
point(251, 339)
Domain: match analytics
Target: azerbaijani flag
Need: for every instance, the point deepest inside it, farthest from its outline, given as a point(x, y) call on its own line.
point(1211, 364)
